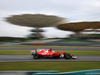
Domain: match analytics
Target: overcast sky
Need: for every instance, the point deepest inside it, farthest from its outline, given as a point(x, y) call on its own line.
point(72, 10)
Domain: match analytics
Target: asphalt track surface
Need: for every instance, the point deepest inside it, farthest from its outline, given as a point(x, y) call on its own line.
point(32, 48)
point(29, 58)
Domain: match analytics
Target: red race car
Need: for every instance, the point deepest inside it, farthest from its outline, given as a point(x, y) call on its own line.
point(49, 53)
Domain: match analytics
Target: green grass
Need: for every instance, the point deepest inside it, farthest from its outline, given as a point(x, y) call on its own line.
point(45, 46)
point(15, 52)
point(81, 52)
point(28, 52)
point(48, 66)
point(93, 35)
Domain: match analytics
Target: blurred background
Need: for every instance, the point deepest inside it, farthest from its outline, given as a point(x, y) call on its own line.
point(22, 21)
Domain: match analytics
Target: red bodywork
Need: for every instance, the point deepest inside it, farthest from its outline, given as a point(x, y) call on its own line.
point(50, 53)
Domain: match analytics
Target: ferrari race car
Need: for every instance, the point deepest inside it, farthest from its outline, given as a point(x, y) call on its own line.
point(49, 53)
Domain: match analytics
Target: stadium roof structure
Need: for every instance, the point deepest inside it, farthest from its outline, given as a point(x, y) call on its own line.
point(35, 20)
point(97, 30)
point(79, 26)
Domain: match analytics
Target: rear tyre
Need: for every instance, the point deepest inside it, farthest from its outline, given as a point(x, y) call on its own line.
point(36, 56)
point(67, 56)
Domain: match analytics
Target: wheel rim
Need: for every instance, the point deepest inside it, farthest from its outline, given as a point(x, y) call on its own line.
point(67, 56)
point(36, 56)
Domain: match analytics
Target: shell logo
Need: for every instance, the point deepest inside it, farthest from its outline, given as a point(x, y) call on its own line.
point(50, 54)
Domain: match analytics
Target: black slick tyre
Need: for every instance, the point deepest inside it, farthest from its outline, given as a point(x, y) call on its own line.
point(67, 56)
point(36, 56)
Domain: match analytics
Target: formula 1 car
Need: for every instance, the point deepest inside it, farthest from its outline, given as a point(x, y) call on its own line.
point(49, 53)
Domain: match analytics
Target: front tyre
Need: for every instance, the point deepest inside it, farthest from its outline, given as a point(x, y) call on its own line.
point(67, 56)
point(36, 56)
